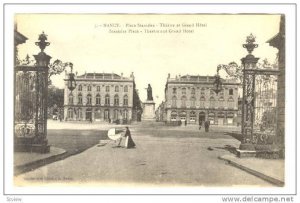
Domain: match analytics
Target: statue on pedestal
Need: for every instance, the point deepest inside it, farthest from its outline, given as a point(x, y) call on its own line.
point(149, 93)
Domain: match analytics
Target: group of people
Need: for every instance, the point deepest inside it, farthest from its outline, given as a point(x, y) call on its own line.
point(206, 125)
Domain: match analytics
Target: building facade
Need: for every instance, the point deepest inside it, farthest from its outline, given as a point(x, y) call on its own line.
point(192, 99)
point(100, 97)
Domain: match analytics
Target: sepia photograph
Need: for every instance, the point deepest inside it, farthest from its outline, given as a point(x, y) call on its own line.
point(134, 100)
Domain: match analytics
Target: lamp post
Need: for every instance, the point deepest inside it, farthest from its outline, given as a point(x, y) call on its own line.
point(71, 79)
point(218, 86)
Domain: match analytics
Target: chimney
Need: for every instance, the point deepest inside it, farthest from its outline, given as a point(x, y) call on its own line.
point(169, 75)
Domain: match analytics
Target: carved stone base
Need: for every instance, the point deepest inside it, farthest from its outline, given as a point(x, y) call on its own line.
point(29, 144)
point(259, 151)
point(38, 148)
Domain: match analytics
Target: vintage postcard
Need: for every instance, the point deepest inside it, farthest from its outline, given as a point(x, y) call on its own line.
point(150, 100)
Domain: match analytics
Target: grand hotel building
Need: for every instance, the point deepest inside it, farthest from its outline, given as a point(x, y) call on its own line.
point(191, 98)
point(99, 97)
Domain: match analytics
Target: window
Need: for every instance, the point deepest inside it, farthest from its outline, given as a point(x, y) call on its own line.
point(183, 101)
point(202, 102)
point(193, 102)
point(70, 99)
point(107, 88)
point(174, 99)
point(98, 99)
point(230, 103)
point(212, 102)
point(192, 116)
point(116, 114)
point(98, 88)
point(106, 114)
point(107, 100)
point(125, 100)
point(80, 113)
point(116, 100)
point(125, 88)
point(89, 88)
point(202, 91)
point(212, 92)
point(183, 90)
point(221, 102)
point(125, 114)
point(174, 90)
point(79, 98)
point(89, 99)
point(173, 116)
point(116, 88)
point(79, 87)
point(193, 91)
point(70, 113)
point(230, 91)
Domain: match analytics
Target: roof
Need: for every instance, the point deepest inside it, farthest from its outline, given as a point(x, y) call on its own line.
point(100, 76)
point(199, 79)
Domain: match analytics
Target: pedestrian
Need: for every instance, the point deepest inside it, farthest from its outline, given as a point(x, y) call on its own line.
point(200, 124)
point(185, 122)
point(206, 125)
point(129, 143)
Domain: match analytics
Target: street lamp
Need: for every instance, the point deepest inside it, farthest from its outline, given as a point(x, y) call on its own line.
point(217, 85)
point(71, 79)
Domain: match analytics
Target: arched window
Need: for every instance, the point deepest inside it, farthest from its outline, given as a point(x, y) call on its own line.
point(183, 101)
point(125, 100)
point(125, 114)
point(89, 88)
point(173, 116)
point(202, 102)
point(89, 99)
point(70, 113)
point(202, 91)
point(107, 100)
point(212, 102)
point(125, 88)
point(174, 90)
point(116, 100)
point(106, 114)
point(116, 88)
point(193, 91)
point(70, 99)
point(230, 103)
point(79, 98)
point(230, 91)
point(79, 87)
point(192, 116)
point(221, 102)
point(116, 114)
point(193, 102)
point(174, 103)
point(98, 88)
point(98, 99)
point(80, 113)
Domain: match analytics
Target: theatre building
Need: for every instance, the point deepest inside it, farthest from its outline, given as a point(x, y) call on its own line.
point(100, 97)
point(192, 99)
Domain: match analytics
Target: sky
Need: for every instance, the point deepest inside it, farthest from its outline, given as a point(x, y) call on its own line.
point(149, 45)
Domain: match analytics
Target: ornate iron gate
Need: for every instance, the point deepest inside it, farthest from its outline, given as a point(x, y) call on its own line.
point(31, 89)
point(259, 108)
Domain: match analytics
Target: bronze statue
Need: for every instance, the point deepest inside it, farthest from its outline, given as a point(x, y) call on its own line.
point(149, 93)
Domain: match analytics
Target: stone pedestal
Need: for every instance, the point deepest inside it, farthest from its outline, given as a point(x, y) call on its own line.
point(148, 111)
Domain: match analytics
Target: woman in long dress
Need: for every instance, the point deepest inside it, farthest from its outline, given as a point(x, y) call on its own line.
point(128, 139)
